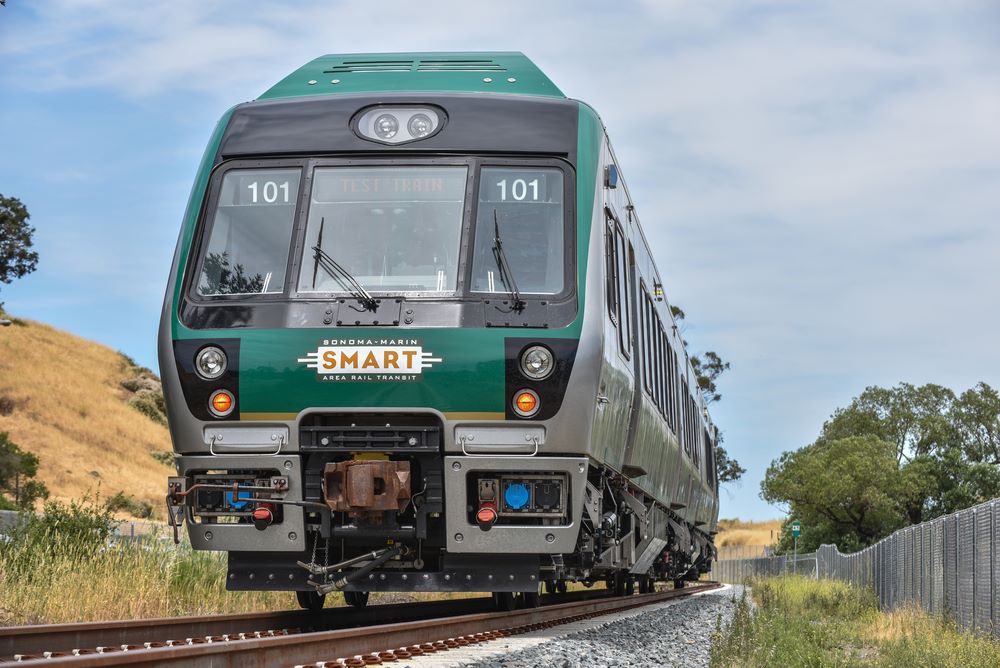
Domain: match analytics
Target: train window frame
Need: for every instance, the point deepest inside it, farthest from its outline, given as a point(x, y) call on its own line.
point(570, 248)
point(307, 165)
point(625, 293)
point(648, 315)
point(685, 422)
point(196, 255)
point(298, 254)
point(611, 269)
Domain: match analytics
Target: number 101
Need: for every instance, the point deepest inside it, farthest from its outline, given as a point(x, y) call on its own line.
point(269, 192)
point(518, 189)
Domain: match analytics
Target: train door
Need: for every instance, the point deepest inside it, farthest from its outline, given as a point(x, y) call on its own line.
point(615, 394)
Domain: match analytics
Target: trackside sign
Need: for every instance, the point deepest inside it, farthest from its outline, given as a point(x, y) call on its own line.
point(369, 359)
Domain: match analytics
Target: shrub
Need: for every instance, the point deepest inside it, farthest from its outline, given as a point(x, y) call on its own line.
point(123, 502)
point(149, 404)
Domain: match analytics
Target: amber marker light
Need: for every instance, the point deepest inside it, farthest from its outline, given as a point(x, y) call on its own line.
point(526, 403)
point(221, 403)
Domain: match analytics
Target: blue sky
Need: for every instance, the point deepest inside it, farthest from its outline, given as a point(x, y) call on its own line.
point(820, 181)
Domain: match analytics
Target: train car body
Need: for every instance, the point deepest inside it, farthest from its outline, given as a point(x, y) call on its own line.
point(414, 339)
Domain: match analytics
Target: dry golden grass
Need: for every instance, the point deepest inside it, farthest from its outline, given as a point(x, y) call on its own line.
point(70, 411)
point(741, 540)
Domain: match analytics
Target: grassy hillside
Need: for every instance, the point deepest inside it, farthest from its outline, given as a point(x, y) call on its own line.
point(738, 539)
point(86, 411)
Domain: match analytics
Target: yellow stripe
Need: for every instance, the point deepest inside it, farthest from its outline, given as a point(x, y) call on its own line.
point(450, 416)
point(475, 416)
point(268, 416)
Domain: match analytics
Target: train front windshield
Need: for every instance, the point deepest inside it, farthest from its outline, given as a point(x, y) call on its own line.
point(390, 229)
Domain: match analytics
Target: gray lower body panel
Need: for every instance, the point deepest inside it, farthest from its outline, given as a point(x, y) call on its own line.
point(465, 537)
point(286, 536)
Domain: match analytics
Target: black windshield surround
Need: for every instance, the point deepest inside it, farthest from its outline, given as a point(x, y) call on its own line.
point(463, 307)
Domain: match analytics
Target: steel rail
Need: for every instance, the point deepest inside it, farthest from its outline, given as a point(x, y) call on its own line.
point(328, 645)
point(34, 640)
point(38, 639)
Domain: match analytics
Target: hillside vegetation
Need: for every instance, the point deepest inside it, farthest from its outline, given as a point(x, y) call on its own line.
point(92, 417)
point(801, 622)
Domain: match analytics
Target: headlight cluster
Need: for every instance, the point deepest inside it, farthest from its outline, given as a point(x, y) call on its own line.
point(398, 125)
point(536, 363)
point(210, 363)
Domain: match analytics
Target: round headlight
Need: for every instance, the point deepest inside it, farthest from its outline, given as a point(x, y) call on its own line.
point(386, 126)
point(420, 125)
point(210, 363)
point(537, 362)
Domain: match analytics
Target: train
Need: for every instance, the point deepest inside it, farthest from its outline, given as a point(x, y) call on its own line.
point(414, 339)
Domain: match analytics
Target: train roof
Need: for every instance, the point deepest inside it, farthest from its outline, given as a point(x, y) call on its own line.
point(509, 72)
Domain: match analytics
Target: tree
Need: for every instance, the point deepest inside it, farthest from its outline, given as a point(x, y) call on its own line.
point(849, 491)
point(16, 256)
point(945, 454)
point(17, 475)
point(727, 468)
point(706, 373)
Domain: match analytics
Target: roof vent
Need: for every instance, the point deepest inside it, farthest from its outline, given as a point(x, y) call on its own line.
point(482, 65)
point(371, 66)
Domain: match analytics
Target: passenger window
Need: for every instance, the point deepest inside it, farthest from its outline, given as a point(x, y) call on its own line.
point(250, 233)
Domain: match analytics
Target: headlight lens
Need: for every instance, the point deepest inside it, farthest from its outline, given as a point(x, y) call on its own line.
point(420, 125)
point(393, 124)
point(526, 403)
point(210, 362)
point(386, 126)
point(537, 362)
point(221, 403)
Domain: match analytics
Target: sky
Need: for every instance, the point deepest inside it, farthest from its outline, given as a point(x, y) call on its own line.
point(819, 181)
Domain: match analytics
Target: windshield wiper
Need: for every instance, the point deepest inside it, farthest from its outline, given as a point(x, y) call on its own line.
point(337, 272)
point(506, 275)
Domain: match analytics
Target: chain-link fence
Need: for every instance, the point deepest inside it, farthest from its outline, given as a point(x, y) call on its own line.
point(948, 566)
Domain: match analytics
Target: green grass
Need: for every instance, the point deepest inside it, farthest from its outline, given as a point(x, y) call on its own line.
point(63, 565)
point(794, 621)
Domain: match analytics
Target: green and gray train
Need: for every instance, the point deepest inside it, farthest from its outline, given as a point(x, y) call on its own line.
point(414, 339)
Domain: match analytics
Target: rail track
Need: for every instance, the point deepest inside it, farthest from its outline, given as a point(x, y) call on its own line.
point(354, 637)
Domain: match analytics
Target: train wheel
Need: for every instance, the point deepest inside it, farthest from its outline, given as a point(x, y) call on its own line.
point(504, 601)
point(356, 599)
point(561, 586)
point(679, 584)
point(629, 585)
point(551, 587)
point(310, 600)
point(529, 599)
point(616, 583)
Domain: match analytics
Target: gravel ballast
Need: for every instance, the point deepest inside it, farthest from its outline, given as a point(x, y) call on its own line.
point(674, 633)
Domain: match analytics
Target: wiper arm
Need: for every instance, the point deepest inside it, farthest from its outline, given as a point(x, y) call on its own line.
point(344, 277)
point(506, 275)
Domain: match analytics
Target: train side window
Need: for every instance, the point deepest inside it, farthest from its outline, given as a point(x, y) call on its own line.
point(611, 270)
point(622, 274)
point(696, 433)
point(664, 378)
point(670, 384)
point(685, 436)
point(675, 406)
point(647, 336)
point(251, 231)
point(709, 460)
